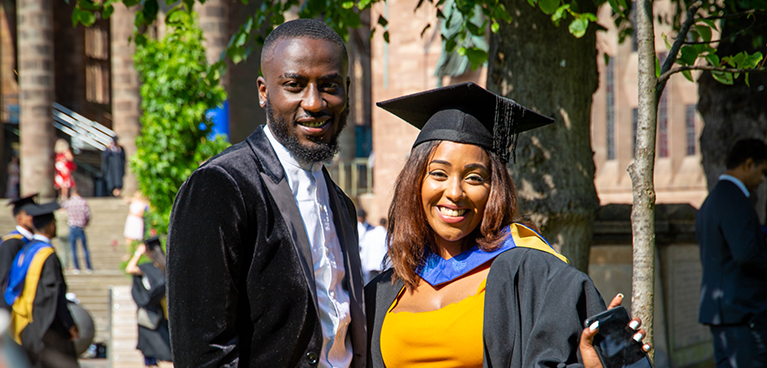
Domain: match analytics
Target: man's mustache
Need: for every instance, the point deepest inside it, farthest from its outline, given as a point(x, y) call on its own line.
point(309, 115)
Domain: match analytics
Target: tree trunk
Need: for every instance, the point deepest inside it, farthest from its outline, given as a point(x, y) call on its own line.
point(732, 112)
point(546, 69)
point(641, 172)
point(126, 100)
point(36, 88)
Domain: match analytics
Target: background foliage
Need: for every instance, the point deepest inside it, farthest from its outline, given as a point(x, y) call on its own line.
point(175, 94)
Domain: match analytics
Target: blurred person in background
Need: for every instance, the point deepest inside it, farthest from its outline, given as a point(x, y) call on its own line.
point(16, 239)
point(113, 167)
point(40, 320)
point(733, 253)
point(373, 250)
point(149, 294)
point(14, 178)
point(78, 217)
point(65, 168)
point(134, 223)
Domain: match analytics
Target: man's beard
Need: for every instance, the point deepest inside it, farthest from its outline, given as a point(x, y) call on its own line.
point(319, 152)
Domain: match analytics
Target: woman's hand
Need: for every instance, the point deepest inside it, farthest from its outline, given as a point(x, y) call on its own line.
point(589, 355)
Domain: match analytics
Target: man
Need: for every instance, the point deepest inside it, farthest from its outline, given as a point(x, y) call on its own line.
point(733, 298)
point(263, 266)
point(16, 239)
point(372, 242)
point(362, 226)
point(372, 260)
point(78, 217)
point(40, 319)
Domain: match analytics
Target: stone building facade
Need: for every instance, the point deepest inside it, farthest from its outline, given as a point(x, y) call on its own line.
point(679, 176)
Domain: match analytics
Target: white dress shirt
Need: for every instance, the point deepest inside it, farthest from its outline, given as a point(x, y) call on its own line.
point(24, 232)
point(737, 182)
point(310, 190)
point(41, 238)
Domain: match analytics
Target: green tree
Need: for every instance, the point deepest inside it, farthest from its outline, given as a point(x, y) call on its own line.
point(175, 94)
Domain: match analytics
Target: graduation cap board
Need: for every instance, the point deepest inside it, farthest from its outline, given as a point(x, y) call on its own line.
point(19, 203)
point(466, 113)
point(38, 210)
point(153, 242)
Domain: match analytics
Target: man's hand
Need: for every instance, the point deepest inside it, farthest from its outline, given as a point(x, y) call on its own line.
point(589, 355)
point(74, 332)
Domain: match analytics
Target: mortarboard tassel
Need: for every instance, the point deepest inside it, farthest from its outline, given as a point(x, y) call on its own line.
point(505, 128)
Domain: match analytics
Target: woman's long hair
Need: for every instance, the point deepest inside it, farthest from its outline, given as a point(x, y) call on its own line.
point(158, 256)
point(409, 232)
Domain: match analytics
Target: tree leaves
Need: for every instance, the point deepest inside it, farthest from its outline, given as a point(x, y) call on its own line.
point(578, 27)
point(548, 6)
point(177, 89)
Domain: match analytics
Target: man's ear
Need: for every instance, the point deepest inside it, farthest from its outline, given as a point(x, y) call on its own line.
point(261, 85)
point(749, 164)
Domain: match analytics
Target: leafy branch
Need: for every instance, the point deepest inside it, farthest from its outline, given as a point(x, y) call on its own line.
point(687, 53)
point(735, 71)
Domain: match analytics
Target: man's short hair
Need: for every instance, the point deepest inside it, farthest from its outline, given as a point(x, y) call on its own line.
point(40, 222)
point(745, 149)
point(303, 28)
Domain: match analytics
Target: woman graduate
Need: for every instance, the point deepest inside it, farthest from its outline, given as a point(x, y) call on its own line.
point(149, 294)
point(470, 285)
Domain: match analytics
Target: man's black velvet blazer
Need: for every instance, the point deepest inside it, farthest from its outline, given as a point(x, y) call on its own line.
point(241, 288)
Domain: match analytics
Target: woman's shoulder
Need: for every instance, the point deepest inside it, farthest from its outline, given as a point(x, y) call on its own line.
point(532, 260)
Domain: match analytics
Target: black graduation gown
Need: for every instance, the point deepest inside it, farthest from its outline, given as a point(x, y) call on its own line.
point(47, 340)
point(152, 343)
point(113, 168)
point(8, 251)
point(535, 306)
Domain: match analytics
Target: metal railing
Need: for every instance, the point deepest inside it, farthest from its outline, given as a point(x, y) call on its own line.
point(353, 176)
point(86, 134)
point(81, 129)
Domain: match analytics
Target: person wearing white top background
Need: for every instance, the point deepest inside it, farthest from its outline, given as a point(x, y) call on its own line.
point(263, 267)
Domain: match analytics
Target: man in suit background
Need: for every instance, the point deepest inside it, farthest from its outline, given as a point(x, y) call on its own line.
point(733, 298)
point(263, 265)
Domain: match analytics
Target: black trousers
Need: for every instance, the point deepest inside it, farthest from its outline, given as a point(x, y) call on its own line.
point(740, 346)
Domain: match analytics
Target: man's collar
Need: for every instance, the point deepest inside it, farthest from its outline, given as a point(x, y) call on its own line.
point(285, 156)
point(42, 238)
point(737, 182)
point(26, 233)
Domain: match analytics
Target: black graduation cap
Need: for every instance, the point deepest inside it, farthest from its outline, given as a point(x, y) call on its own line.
point(466, 113)
point(19, 203)
point(38, 210)
point(153, 242)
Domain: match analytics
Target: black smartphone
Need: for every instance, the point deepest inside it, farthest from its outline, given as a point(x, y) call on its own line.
point(614, 342)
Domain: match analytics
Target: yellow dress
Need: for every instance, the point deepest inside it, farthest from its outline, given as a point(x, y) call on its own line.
point(449, 337)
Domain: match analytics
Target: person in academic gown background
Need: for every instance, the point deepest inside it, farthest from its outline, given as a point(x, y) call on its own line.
point(16, 239)
point(471, 286)
point(149, 294)
point(40, 320)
